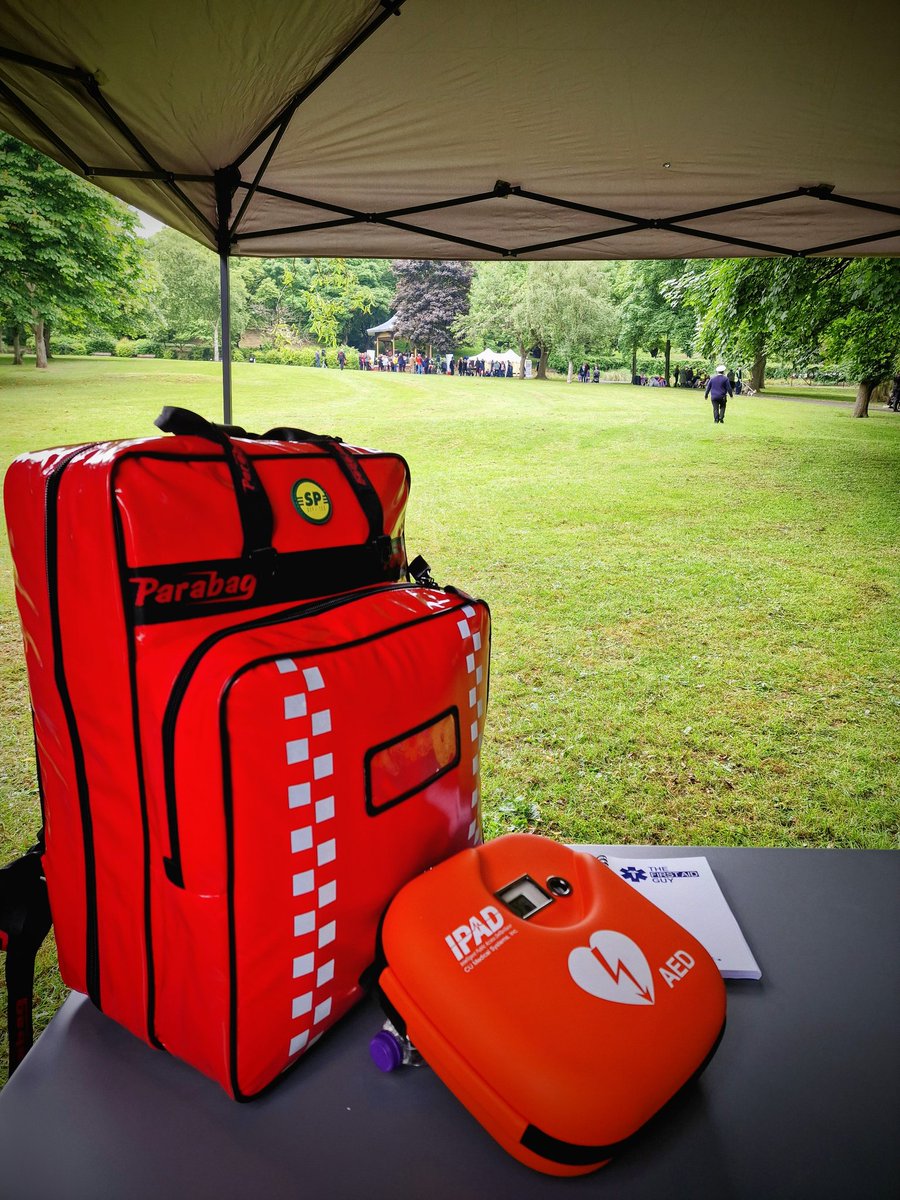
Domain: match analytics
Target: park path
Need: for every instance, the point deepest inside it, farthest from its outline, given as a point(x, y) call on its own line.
point(806, 399)
point(873, 408)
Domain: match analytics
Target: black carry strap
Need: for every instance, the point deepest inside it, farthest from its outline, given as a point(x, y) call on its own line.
point(368, 498)
point(256, 512)
point(24, 923)
point(253, 503)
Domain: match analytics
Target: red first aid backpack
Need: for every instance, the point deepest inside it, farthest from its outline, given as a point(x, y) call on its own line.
point(250, 729)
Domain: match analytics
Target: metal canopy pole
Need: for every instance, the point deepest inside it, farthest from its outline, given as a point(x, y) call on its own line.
point(226, 181)
point(225, 302)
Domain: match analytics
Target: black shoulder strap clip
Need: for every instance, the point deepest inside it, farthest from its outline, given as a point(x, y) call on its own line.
point(24, 923)
point(421, 572)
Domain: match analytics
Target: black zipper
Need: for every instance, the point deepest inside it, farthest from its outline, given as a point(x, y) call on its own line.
point(92, 952)
point(172, 863)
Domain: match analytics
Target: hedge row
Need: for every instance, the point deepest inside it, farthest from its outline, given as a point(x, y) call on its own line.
point(305, 356)
point(133, 347)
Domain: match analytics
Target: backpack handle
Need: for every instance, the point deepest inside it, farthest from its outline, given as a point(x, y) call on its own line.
point(253, 504)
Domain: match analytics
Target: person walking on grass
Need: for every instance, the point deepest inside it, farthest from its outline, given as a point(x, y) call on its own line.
point(719, 388)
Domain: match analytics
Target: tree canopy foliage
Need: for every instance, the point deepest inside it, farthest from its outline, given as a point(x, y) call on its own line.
point(67, 249)
point(333, 300)
point(650, 318)
point(847, 310)
point(186, 289)
point(430, 296)
point(564, 308)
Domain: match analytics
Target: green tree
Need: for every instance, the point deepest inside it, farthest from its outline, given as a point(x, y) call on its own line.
point(496, 313)
point(285, 296)
point(68, 251)
point(187, 289)
point(275, 289)
point(564, 308)
point(847, 309)
point(861, 324)
point(651, 314)
point(736, 301)
point(377, 283)
point(334, 293)
point(568, 307)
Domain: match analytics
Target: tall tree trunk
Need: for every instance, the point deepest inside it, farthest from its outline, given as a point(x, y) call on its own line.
point(863, 396)
point(216, 342)
point(18, 351)
point(40, 347)
point(633, 361)
point(521, 360)
point(542, 362)
point(758, 374)
point(47, 354)
point(668, 360)
point(569, 372)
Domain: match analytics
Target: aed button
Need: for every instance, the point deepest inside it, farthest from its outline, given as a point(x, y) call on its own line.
point(559, 886)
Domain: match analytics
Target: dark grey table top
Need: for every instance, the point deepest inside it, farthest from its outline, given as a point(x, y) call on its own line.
point(801, 1100)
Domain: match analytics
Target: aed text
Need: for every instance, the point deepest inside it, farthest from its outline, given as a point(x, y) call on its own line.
point(676, 967)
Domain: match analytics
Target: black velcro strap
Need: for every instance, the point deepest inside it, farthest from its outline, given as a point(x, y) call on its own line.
point(24, 923)
point(369, 500)
point(366, 495)
point(253, 504)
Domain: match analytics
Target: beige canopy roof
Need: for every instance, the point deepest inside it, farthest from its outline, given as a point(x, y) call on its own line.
point(474, 129)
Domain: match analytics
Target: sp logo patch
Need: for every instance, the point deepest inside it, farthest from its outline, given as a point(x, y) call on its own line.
point(612, 967)
point(311, 501)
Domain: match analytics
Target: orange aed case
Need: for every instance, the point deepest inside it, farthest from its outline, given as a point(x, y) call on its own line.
point(561, 1007)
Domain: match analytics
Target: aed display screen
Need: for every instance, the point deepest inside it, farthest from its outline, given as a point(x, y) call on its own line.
point(523, 897)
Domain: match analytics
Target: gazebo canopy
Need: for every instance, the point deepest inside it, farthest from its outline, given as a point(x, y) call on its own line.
point(388, 327)
point(615, 131)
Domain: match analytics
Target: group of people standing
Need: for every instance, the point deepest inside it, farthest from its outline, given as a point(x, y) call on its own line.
point(398, 361)
point(498, 368)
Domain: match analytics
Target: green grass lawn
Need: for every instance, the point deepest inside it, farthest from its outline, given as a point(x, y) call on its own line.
point(695, 628)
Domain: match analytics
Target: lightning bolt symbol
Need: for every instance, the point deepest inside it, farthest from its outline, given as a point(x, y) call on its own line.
point(618, 970)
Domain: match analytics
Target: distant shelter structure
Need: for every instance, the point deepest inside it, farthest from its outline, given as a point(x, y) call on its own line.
point(384, 333)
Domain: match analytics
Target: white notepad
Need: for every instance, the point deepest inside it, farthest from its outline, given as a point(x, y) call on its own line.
point(686, 890)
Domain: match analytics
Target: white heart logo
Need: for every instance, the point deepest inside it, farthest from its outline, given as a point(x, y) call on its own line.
point(612, 967)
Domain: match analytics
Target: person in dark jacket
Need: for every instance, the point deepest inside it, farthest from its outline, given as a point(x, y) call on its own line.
point(719, 388)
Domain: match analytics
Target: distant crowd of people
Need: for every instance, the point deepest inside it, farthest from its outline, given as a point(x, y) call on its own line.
point(423, 364)
point(495, 369)
point(500, 368)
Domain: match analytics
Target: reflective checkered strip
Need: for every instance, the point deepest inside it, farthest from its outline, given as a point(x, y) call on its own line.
point(472, 725)
point(309, 753)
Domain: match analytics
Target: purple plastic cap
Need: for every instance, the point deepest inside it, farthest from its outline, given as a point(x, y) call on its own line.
point(386, 1051)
